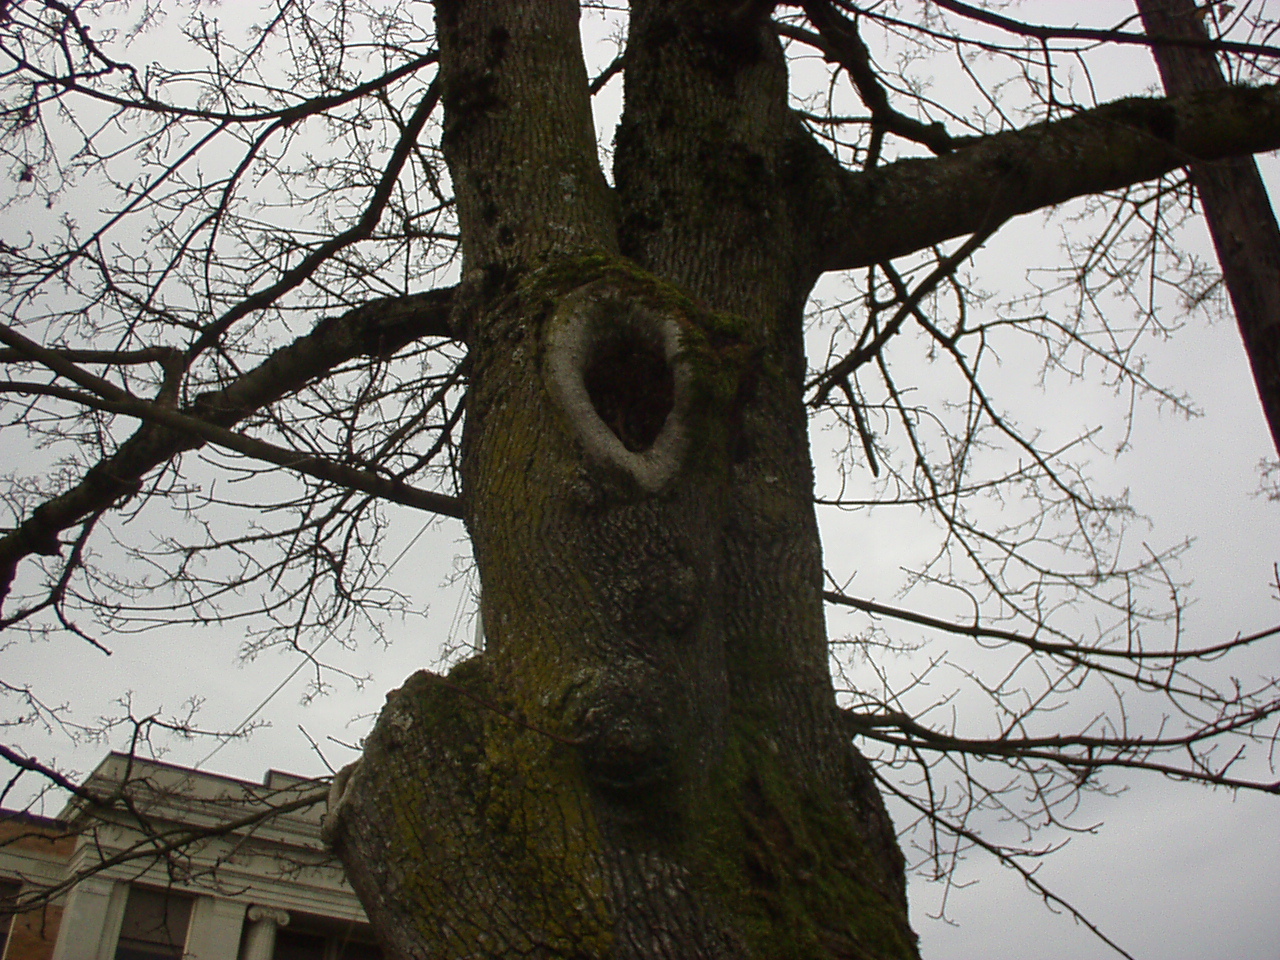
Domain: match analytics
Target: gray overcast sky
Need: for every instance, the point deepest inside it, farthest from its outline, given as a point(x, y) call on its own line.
point(1173, 871)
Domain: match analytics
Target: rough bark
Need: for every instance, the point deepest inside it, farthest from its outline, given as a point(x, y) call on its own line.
point(1235, 202)
point(647, 760)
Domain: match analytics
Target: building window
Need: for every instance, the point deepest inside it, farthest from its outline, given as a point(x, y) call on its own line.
point(308, 938)
point(291, 945)
point(155, 925)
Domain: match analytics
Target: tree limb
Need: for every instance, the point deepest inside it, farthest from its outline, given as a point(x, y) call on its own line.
point(330, 471)
point(1236, 206)
point(1039, 645)
point(842, 44)
point(375, 329)
point(902, 207)
point(1096, 752)
point(1102, 35)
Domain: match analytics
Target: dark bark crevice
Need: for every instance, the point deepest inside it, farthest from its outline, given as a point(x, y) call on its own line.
point(632, 388)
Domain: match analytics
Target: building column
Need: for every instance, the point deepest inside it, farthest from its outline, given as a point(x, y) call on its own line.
point(260, 942)
point(214, 932)
point(91, 920)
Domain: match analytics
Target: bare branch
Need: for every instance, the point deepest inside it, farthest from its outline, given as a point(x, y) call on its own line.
point(376, 329)
point(921, 202)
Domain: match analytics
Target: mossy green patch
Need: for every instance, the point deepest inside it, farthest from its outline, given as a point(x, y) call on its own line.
point(504, 827)
point(539, 814)
point(787, 865)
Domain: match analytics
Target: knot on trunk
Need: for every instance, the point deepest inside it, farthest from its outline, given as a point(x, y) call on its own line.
point(619, 712)
point(616, 369)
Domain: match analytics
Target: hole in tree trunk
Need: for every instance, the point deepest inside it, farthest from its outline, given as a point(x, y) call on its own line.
point(631, 387)
point(618, 370)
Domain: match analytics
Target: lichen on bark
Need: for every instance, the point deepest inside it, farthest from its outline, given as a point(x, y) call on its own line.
point(590, 779)
point(645, 761)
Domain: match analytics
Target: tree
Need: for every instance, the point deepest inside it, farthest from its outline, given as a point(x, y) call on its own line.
point(1236, 206)
point(647, 759)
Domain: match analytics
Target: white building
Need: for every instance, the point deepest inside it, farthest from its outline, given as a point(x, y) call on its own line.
point(178, 863)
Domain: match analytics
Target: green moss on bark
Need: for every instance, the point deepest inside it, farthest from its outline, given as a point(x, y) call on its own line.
point(496, 837)
point(787, 864)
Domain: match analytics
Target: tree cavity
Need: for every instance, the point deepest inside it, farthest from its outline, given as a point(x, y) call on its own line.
point(631, 387)
point(615, 368)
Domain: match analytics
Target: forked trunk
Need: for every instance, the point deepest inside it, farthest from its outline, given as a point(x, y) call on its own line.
point(646, 761)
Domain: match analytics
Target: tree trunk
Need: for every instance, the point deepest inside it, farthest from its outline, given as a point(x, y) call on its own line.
point(646, 760)
point(1235, 203)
